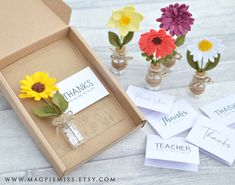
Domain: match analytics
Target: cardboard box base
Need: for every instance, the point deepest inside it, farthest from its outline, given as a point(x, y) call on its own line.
point(111, 118)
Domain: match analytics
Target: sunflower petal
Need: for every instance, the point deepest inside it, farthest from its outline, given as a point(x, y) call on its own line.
point(37, 98)
point(22, 96)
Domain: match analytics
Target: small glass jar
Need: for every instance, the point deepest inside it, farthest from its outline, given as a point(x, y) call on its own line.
point(68, 126)
point(119, 61)
point(71, 133)
point(153, 78)
point(169, 64)
point(198, 84)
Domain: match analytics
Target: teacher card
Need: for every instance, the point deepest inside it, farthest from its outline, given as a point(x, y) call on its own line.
point(181, 118)
point(214, 139)
point(222, 109)
point(150, 100)
point(173, 153)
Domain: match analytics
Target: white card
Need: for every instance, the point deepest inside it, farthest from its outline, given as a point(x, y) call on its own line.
point(214, 139)
point(173, 153)
point(222, 109)
point(150, 100)
point(181, 118)
point(81, 90)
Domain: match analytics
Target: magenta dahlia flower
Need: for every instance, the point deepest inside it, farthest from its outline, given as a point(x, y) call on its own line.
point(176, 18)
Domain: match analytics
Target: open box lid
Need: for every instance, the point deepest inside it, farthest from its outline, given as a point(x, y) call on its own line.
point(25, 22)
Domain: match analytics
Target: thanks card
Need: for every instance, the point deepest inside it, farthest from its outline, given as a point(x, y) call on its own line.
point(214, 139)
point(173, 153)
point(81, 90)
point(222, 109)
point(181, 118)
point(150, 100)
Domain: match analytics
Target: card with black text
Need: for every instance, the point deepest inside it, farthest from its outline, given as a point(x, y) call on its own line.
point(173, 153)
point(81, 90)
point(214, 139)
point(181, 118)
point(222, 109)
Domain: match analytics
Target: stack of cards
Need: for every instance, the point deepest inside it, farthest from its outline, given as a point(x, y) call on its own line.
point(166, 116)
point(169, 118)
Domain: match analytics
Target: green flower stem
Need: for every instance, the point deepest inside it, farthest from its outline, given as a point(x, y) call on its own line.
point(201, 64)
point(45, 101)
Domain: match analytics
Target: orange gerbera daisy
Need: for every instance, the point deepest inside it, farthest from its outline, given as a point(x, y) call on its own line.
point(157, 42)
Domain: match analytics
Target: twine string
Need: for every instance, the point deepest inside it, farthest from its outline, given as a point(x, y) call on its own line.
point(61, 120)
point(117, 55)
point(197, 81)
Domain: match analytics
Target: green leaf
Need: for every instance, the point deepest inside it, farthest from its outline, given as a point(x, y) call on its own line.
point(148, 59)
point(59, 101)
point(114, 39)
point(210, 65)
point(191, 62)
point(180, 40)
point(144, 54)
point(127, 38)
point(46, 111)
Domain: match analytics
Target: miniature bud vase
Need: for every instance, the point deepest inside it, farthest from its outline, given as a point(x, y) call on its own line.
point(153, 77)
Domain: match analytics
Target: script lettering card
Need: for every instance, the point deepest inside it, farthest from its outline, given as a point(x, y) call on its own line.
point(181, 118)
point(222, 109)
point(173, 153)
point(81, 90)
point(150, 100)
point(214, 139)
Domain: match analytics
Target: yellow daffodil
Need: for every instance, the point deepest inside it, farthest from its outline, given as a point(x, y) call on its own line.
point(125, 19)
point(37, 86)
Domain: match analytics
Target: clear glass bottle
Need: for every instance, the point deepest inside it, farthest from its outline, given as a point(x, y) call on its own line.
point(119, 61)
point(71, 133)
point(198, 83)
point(153, 78)
point(169, 63)
point(68, 126)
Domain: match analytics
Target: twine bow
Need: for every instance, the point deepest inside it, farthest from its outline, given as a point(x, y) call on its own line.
point(119, 56)
point(200, 81)
point(178, 56)
point(61, 120)
point(159, 72)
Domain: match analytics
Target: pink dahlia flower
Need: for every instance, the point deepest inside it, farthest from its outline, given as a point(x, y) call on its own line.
point(176, 18)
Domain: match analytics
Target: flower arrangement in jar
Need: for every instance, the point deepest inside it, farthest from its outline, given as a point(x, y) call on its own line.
point(176, 19)
point(203, 54)
point(127, 21)
point(41, 87)
point(155, 45)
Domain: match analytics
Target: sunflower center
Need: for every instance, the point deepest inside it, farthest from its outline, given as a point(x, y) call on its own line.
point(38, 87)
point(157, 40)
point(205, 45)
point(125, 20)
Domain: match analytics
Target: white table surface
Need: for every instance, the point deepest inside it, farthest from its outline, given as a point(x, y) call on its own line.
point(19, 155)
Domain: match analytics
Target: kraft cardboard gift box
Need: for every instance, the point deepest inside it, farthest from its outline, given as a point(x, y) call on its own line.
point(34, 36)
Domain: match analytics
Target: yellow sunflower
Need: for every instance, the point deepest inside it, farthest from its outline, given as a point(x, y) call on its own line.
point(38, 85)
